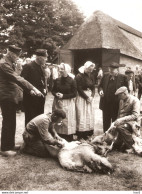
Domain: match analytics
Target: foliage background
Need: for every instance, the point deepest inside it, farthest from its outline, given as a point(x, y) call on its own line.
point(32, 24)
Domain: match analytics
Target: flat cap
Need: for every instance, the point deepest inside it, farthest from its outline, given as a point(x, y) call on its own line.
point(114, 65)
point(121, 90)
point(128, 71)
point(41, 52)
point(15, 49)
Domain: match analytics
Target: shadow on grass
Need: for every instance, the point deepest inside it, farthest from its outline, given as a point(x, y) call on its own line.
point(130, 179)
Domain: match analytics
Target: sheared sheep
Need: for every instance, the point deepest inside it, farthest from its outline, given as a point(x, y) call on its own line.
point(82, 157)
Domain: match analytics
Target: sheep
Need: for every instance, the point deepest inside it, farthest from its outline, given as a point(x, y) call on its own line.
point(82, 157)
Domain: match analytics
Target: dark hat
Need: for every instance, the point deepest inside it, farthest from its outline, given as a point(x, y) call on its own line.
point(121, 90)
point(128, 71)
point(114, 65)
point(15, 49)
point(41, 52)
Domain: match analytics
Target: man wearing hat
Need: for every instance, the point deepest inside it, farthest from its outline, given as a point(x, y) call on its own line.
point(108, 101)
point(9, 98)
point(34, 73)
point(129, 112)
point(131, 81)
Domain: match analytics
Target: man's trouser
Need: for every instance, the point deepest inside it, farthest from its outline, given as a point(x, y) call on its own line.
point(33, 146)
point(124, 140)
point(8, 125)
point(110, 114)
point(33, 108)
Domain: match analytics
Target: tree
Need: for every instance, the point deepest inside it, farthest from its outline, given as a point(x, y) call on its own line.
point(33, 24)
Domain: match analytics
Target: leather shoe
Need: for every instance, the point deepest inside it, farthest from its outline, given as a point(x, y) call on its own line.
point(16, 147)
point(8, 153)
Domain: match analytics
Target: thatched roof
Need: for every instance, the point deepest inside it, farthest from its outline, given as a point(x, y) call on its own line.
point(102, 31)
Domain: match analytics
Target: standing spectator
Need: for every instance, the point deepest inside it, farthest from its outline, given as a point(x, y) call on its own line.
point(64, 90)
point(9, 98)
point(137, 71)
point(140, 85)
point(54, 75)
point(128, 68)
point(100, 75)
point(136, 74)
point(108, 101)
point(28, 60)
point(47, 76)
point(85, 100)
point(18, 69)
point(0, 113)
point(131, 81)
point(35, 74)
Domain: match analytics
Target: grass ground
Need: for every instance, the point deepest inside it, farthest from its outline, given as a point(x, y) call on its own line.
point(25, 172)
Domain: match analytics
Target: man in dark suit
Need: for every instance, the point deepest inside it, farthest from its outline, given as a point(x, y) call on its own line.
point(9, 98)
point(34, 72)
point(109, 103)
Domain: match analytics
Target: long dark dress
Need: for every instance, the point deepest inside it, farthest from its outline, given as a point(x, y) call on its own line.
point(66, 86)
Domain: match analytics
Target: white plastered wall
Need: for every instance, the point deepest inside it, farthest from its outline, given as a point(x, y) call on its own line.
point(129, 62)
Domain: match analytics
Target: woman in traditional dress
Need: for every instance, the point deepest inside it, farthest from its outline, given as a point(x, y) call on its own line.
point(85, 109)
point(65, 91)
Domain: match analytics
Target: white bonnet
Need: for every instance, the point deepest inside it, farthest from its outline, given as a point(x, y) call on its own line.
point(85, 66)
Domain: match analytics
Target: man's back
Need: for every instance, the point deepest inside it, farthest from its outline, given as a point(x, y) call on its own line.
point(40, 126)
point(39, 122)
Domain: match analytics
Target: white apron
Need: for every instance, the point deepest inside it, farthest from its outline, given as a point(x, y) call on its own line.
point(85, 113)
point(69, 123)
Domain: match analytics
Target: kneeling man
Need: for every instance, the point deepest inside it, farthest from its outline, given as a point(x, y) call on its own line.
point(40, 132)
point(129, 112)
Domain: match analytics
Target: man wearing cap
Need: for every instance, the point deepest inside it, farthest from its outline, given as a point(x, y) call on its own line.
point(108, 101)
point(129, 111)
point(34, 73)
point(131, 81)
point(9, 98)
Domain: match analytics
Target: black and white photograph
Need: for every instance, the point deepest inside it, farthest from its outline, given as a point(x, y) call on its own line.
point(70, 96)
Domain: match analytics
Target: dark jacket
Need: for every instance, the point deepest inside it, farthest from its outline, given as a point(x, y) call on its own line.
point(85, 82)
point(139, 81)
point(121, 80)
point(34, 74)
point(10, 80)
point(66, 86)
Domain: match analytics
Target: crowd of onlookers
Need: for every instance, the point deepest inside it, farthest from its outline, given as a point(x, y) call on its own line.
point(27, 82)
